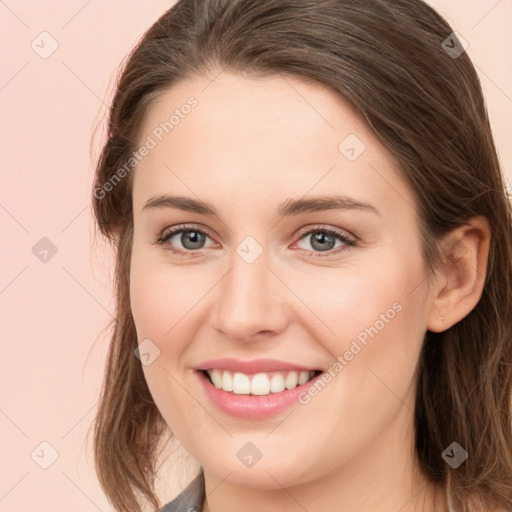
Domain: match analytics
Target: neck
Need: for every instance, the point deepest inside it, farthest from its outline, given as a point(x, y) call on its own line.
point(383, 477)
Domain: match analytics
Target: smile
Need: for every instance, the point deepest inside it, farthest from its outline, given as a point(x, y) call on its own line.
point(238, 400)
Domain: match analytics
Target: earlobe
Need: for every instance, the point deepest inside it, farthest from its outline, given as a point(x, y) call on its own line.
point(460, 282)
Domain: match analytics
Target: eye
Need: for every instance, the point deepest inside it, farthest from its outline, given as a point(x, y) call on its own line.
point(324, 239)
point(189, 236)
point(192, 239)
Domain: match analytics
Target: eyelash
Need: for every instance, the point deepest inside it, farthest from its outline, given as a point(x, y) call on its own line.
point(167, 234)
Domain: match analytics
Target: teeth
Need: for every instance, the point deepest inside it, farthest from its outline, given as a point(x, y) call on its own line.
point(227, 381)
point(304, 377)
point(291, 380)
point(241, 384)
point(259, 383)
point(277, 383)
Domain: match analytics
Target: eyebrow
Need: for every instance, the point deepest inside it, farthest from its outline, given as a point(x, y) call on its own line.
point(287, 208)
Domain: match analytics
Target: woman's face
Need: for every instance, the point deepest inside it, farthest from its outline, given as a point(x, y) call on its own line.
point(268, 277)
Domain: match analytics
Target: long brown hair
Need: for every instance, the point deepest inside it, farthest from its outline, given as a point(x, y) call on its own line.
point(424, 102)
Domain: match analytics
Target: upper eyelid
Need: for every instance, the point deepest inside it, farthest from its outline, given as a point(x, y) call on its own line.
point(174, 230)
point(321, 227)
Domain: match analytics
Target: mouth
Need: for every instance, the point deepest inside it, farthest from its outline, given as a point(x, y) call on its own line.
point(263, 383)
point(256, 396)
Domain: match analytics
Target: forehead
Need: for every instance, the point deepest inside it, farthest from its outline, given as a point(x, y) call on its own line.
point(262, 138)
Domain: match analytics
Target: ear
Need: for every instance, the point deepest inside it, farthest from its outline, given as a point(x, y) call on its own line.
point(458, 285)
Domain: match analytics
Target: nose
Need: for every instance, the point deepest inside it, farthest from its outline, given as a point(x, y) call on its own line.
point(250, 302)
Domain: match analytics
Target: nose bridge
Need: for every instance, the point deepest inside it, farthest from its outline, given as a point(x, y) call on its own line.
point(248, 300)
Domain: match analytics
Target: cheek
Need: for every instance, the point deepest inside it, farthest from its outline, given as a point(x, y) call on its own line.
point(372, 319)
point(162, 307)
point(163, 297)
point(344, 302)
point(390, 335)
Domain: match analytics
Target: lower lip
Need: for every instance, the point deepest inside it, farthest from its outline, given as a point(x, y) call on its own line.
point(253, 406)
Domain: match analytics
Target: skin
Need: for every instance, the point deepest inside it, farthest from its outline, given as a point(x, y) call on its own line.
point(249, 145)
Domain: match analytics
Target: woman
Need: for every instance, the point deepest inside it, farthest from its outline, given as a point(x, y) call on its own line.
point(314, 263)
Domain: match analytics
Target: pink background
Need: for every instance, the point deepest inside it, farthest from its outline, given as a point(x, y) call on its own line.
point(54, 313)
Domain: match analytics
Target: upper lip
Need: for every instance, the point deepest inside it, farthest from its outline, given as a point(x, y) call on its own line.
point(253, 366)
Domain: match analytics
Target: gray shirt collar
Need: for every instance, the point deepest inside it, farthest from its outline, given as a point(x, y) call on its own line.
point(190, 499)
